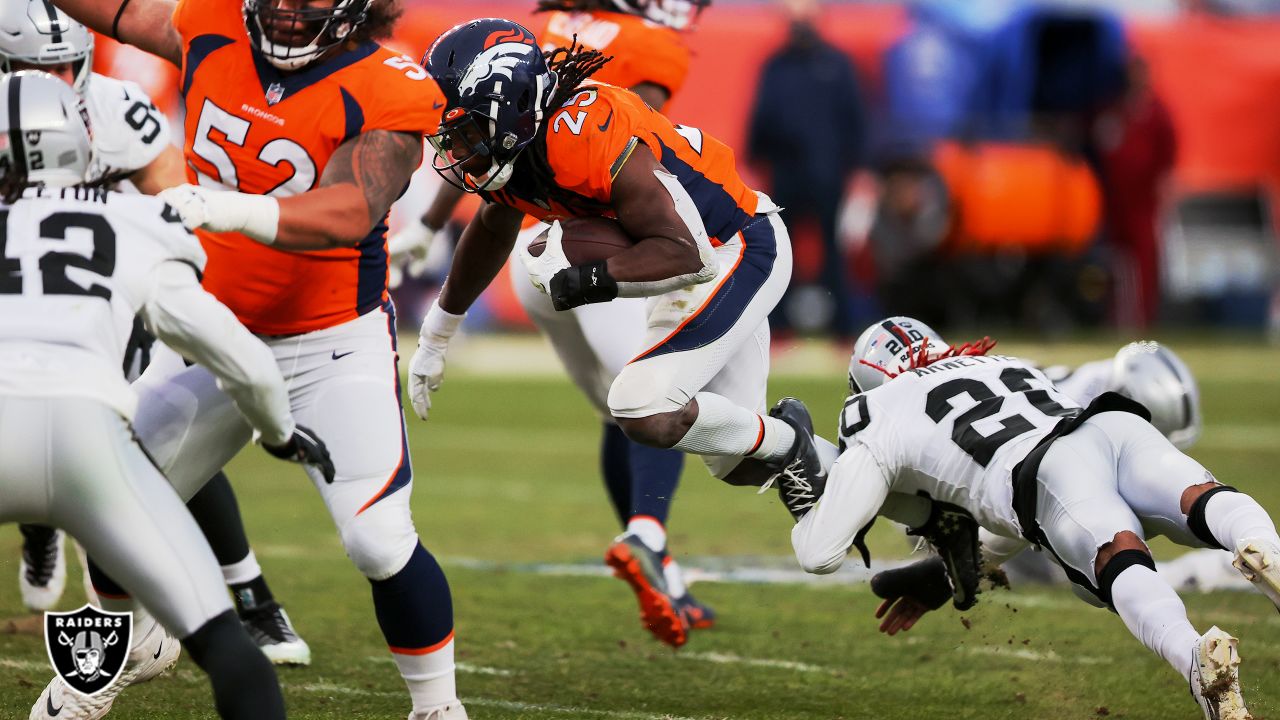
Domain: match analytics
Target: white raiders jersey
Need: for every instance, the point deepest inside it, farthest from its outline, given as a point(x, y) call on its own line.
point(128, 131)
point(955, 430)
point(76, 267)
point(1085, 382)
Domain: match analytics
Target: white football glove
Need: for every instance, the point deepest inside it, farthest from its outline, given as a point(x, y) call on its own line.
point(426, 367)
point(408, 250)
point(257, 216)
point(552, 260)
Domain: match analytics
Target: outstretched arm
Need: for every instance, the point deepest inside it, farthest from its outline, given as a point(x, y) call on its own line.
point(361, 180)
point(145, 24)
point(856, 489)
point(482, 250)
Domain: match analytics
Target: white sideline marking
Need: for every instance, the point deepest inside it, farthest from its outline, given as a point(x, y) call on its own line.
point(1025, 654)
point(323, 687)
point(25, 665)
point(732, 659)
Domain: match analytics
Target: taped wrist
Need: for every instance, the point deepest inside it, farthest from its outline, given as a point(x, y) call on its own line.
point(257, 216)
point(440, 323)
point(583, 284)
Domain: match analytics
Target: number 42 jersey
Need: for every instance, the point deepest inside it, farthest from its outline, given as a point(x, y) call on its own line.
point(955, 429)
point(254, 129)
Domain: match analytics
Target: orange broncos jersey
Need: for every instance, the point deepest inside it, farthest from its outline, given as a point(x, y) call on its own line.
point(592, 136)
point(254, 129)
point(643, 51)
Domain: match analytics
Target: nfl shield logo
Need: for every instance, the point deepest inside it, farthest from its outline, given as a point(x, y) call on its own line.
point(275, 93)
point(88, 647)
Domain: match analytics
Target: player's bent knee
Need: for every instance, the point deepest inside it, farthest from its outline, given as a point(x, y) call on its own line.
point(655, 430)
point(640, 390)
point(1197, 497)
point(1122, 553)
point(378, 551)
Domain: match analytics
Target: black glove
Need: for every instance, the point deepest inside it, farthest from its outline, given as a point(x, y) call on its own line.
point(953, 533)
point(307, 448)
point(924, 581)
point(582, 284)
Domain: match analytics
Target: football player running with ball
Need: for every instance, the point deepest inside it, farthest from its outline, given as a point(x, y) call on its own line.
point(650, 56)
point(301, 130)
point(536, 136)
point(929, 425)
point(132, 149)
point(68, 455)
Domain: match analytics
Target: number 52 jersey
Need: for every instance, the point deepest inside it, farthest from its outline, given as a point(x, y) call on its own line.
point(955, 429)
point(254, 129)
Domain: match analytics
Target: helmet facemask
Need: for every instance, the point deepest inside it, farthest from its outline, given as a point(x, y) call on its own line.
point(465, 135)
point(292, 38)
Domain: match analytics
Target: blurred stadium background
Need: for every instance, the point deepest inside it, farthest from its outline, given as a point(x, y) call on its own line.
point(1043, 165)
point(1068, 174)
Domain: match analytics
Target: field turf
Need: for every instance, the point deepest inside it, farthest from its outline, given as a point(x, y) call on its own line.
point(508, 496)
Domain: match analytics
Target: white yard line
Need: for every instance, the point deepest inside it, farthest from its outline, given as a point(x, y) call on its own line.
point(335, 689)
point(25, 665)
point(1034, 655)
point(732, 659)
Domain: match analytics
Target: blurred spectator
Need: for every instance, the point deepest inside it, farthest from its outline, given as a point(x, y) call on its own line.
point(1137, 148)
point(808, 128)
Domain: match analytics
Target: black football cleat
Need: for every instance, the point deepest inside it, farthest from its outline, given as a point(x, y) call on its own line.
point(953, 533)
point(800, 478)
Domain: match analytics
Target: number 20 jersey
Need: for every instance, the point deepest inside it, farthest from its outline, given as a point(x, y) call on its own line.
point(955, 429)
point(253, 129)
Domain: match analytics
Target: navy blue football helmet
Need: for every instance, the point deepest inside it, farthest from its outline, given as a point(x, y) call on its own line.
point(497, 87)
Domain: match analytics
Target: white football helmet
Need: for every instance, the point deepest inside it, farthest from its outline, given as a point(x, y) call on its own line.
point(37, 33)
point(675, 14)
point(1153, 375)
point(887, 347)
point(48, 140)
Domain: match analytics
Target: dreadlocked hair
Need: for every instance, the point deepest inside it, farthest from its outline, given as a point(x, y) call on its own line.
point(572, 66)
point(572, 5)
point(923, 358)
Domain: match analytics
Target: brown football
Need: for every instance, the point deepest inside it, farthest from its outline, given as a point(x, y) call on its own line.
point(587, 240)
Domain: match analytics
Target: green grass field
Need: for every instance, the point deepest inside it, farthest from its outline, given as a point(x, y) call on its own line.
point(506, 482)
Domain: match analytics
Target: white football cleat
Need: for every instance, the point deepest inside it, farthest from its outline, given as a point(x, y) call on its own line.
point(42, 573)
point(1258, 561)
point(158, 651)
point(1215, 677)
point(273, 633)
point(449, 711)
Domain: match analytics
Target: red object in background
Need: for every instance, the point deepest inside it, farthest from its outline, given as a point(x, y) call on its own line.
point(1220, 78)
point(1138, 148)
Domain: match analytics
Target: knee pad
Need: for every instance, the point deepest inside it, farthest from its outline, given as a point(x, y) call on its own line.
point(379, 548)
point(1118, 563)
point(1195, 518)
point(641, 390)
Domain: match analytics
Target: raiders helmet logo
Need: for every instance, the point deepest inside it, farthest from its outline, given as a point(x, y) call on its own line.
point(88, 647)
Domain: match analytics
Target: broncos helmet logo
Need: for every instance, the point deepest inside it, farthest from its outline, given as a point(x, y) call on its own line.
point(499, 60)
